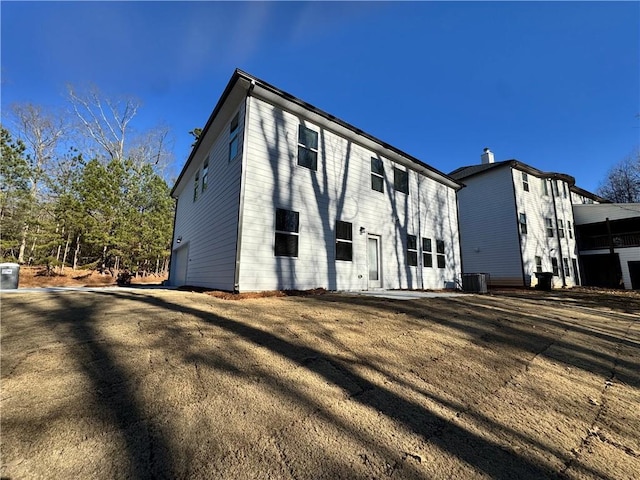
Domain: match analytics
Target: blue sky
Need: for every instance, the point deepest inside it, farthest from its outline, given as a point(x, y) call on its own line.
point(553, 84)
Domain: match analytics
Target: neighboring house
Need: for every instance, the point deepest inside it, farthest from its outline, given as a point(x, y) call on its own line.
point(609, 244)
point(277, 194)
point(516, 221)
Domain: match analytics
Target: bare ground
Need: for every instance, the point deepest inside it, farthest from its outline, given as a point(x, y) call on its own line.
point(170, 384)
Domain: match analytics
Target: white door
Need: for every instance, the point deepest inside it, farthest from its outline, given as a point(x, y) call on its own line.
point(181, 259)
point(373, 252)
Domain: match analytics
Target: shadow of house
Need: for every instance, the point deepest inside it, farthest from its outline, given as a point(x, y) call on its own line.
point(287, 175)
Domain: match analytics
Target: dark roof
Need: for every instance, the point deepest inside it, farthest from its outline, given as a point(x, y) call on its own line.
point(472, 170)
point(464, 172)
point(588, 194)
point(254, 81)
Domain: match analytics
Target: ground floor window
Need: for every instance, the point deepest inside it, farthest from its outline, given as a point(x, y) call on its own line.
point(287, 232)
point(554, 266)
point(344, 241)
point(565, 264)
point(440, 253)
point(427, 256)
point(412, 250)
point(539, 264)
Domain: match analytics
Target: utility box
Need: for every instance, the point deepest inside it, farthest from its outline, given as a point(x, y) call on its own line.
point(9, 276)
point(475, 282)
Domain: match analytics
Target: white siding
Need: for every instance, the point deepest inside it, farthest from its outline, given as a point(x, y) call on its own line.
point(537, 206)
point(578, 199)
point(208, 226)
point(489, 227)
point(339, 190)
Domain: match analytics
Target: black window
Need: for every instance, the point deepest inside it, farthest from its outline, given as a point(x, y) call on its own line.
point(196, 185)
point(569, 229)
point(205, 174)
point(233, 138)
point(344, 241)
point(377, 174)
point(412, 250)
point(523, 223)
point(440, 253)
point(554, 266)
point(549, 223)
point(287, 225)
point(307, 148)
point(427, 257)
point(538, 264)
point(545, 186)
point(564, 189)
point(525, 182)
point(555, 187)
point(401, 180)
point(565, 264)
point(560, 229)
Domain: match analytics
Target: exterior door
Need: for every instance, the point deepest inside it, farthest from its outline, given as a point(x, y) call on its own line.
point(634, 273)
point(181, 259)
point(373, 253)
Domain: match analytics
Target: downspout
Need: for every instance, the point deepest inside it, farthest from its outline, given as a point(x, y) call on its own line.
point(555, 214)
point(243, 170)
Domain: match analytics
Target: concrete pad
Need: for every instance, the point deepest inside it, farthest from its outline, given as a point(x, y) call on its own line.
point(405, 294)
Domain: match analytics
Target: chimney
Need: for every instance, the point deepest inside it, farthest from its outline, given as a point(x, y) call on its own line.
point(487, 156)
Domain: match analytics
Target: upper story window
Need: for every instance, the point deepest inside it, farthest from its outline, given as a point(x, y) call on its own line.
point(523, 223)
point(560, 229)
point(412, 250)
point(287, 232)
point(205, 174)
point(538, 264)
point(196, 185)
point(307, 147)
point(427, 257)
point(564, 189)
point(377, 174)
point(233, 138)
point(401, 180)
point(569, 229)
point(344, 241)
point(545, 186)
point(440, 253)
point(555, 188)
point(525, 182)
point(549, 225)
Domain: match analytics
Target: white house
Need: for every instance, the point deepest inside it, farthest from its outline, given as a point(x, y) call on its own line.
point(278, 194)
point(609, 243)
point(516, 221)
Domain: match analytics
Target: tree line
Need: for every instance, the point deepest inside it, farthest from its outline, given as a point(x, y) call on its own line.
point(82, 188)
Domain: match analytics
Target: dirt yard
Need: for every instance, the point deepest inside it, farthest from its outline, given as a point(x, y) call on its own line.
point(39, 277)
point(170, 384)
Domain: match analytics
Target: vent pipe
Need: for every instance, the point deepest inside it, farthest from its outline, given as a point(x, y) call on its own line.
point(487, 156)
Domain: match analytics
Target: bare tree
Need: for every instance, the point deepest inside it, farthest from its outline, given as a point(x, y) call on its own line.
point(41, 132)
point(108, 122)
point(622, 184)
